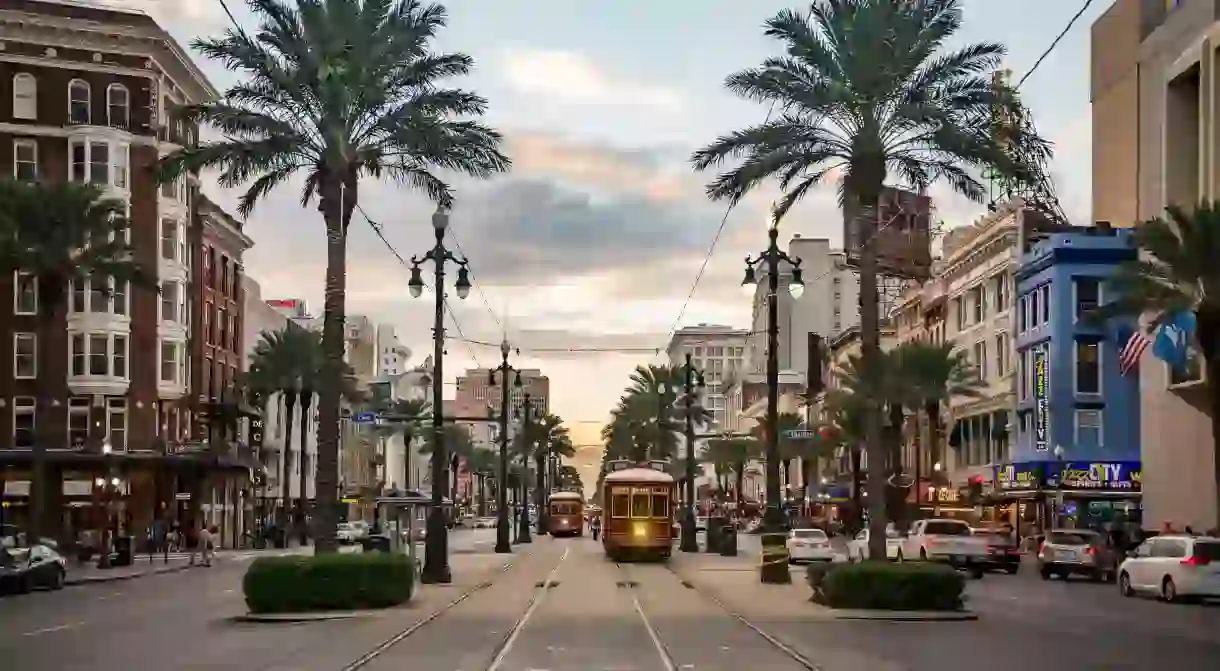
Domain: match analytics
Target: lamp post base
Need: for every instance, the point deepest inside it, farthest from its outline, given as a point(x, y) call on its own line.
point(774, 567)
point(690, 540)
point(523, 527)
point(436, 551)
point(503, 536)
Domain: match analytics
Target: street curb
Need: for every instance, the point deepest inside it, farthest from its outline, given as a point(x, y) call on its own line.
point(94, 580)
point(323, 616)
point(823, 613)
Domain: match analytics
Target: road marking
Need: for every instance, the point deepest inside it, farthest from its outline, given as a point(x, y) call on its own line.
point(48, 630)
point(529, 612)
point(666, 660)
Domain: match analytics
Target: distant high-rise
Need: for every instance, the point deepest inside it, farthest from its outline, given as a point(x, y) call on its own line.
point(718, 351)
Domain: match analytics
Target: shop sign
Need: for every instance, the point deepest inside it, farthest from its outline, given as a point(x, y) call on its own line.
point(1018, 476)
point(1041, 401)
point(1101, 475)
point(947, 495)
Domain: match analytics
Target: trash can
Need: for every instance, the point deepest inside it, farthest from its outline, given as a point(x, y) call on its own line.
point(728, 541)
point(714, 525)
point(375, 543)
point(279, 538)
point(124, 553)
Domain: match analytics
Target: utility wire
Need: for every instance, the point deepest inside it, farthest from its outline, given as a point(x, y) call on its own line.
point(473, 281)
point(1054, 44)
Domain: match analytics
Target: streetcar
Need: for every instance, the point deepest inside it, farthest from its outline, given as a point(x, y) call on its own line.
point(565, 514)
point(638, 519)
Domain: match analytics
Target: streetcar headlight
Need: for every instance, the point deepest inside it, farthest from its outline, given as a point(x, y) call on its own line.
point(639, 531)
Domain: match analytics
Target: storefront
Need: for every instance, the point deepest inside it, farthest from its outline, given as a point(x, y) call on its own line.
point(1033, 496)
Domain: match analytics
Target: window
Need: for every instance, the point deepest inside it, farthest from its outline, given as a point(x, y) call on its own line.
point(1021, 314)
point(122, 161)
point(1033, 302)
point(207, 323)
point(119, 360)
point(660, 505)
point(24, 408)
point(25, 160)
point(169, 240)
point(99, 355)
point(1001, 354)
point(168, 189)
point(169, 361)
point(117, 105)
point(1045, 316)
point(118, 295)
point(99, 301)
point(978, 299)
point(221, 321)
point(959, 307)
point(91, 162)
point(25, 356)
point(980, 358)
point(99, 162)
point(79, 352)
point(116, 423)
point(640, 505)
point(619, 505)
point(1088, 368)
point(79, 97)
point(78, 421)
point(169, 301)
point(25, 96)
point(1088, 295)
point(25, 294)
point(999, 289)
point(1088, 427)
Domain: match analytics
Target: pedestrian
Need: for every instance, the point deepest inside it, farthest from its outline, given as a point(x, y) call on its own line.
point(596, 526)
point(206, 541)
point(1167, 529)
point(194, 534)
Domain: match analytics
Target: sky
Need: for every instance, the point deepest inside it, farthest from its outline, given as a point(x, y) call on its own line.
point(595, 238)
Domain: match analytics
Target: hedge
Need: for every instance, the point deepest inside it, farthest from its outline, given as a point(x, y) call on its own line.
point(305, 583)
point(888, 586)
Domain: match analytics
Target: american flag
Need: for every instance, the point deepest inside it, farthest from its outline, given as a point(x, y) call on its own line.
point(1129, 357)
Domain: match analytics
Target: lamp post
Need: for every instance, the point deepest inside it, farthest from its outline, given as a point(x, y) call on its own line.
point(662, 390)
point(106, 485)
point(436, 547)
point(691, 379)
point(523, 520)
point(773, 518)
point(503, 544)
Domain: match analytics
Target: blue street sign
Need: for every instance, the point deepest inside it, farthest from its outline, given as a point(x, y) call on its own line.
point(364, 417)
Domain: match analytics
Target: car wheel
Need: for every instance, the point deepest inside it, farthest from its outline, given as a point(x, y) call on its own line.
point(1169, 591)
point(57, 582)
point(1124, 585)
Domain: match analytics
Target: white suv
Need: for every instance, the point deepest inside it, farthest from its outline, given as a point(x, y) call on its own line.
point(1174, 567)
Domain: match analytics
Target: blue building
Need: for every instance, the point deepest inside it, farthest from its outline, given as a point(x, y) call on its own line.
point(1078, 416)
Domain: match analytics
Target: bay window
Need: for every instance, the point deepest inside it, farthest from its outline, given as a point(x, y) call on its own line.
point(96, 295)
point(171, 300)
point(169, 240)
point(98, 162)
point(170, 353)
point(99, 355)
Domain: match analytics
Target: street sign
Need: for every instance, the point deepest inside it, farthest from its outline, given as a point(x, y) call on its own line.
point(799, 433)
point(364, 417)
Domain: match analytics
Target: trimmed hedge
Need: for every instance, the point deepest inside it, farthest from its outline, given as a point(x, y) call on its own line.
point(305, 583)
point(889, 586)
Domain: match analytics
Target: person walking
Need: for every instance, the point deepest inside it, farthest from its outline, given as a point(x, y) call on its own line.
point(194, 535)
point(595, 525)
point(206, 540)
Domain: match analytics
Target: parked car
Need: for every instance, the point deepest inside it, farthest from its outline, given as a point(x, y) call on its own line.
point(1069, 552)
point(485, 523)
point(346, 533)
point(1173, 567)
point(945, 540)
point(23, 569)
point(857, 548)
point(1002, 551)
point(809, 545)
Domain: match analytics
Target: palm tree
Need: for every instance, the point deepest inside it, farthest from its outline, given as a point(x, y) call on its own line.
point(865, 90)
point(59, 235)
point(458, 444)
point(408, 418)
point(339, 90)
point(732, 454)
point(1175, 274)
point(482, 464)
point(789, 448)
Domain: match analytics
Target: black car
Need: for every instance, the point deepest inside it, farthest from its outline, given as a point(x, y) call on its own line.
point(24, 569)
point(1002, 552)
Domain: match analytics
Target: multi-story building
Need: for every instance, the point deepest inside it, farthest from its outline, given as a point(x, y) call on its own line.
point(1076, 412)
point(392, 356)
point(1154, 125)
point(719, 352)
point(85, 93)
point(476, 393)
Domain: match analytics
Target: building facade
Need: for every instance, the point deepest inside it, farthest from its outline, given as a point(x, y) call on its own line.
point(85, 95)
point(1076, 411)
point(1154, 130)
point(719, 353)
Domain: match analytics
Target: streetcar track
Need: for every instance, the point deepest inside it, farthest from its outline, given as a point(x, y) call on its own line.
point(773, 640)
point(381, 648)
point(667, 660)
point(506, 645)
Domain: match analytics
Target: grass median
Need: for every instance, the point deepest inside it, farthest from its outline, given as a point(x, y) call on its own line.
point(332, 582)
point(907, 586)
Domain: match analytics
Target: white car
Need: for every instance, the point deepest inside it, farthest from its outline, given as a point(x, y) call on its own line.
point(1175, 567)
point(347, 533)
point(809, 545)
point(857, 548)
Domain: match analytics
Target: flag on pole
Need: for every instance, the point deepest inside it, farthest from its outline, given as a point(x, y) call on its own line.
point(1133, 349)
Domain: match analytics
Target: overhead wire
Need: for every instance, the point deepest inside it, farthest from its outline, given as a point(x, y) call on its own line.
point(1063, 33)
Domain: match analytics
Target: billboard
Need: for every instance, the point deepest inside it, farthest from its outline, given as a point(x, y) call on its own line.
point(903, 234)
point(1041, 400)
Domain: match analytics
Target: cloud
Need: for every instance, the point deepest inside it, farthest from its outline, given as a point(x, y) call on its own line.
point(571, 78)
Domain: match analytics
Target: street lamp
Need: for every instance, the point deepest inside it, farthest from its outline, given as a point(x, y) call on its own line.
point(523, 521)
point(691, 378)
point(774, 567)
point(436, 547)
point(503, 544)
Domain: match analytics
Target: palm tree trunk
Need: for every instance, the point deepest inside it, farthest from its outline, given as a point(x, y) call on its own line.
point(870, 347)
point(932, 411)
point(740, 469)
point(303, 499)
point(51, 294)
point(338, 192)
point(289, 399)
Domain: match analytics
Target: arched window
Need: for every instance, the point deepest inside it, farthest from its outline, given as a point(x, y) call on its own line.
point(117, 105)
point(79, 98)
point(25, 96)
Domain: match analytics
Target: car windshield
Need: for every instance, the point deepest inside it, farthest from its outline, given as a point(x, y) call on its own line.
point(810, 534)
point(1069, 538)
point(947, 528)
point(1207, 550)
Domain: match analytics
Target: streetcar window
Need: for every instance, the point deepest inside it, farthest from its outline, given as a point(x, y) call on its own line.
point(660, 505)
point(620, 505)
point(639, 505)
